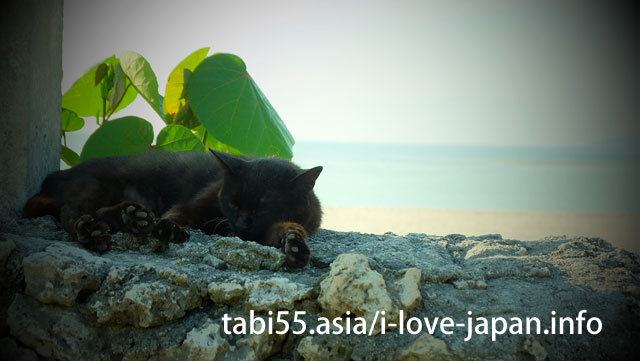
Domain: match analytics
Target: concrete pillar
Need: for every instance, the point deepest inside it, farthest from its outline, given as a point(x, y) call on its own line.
point(30, 98)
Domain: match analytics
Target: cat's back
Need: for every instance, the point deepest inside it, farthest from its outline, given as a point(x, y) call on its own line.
point(153, 170)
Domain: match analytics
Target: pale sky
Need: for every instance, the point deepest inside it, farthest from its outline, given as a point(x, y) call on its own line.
point(536, 73)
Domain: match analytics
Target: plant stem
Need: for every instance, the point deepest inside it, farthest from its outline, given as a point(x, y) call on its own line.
point(64, 138)
point(104, 110)
point(204, 138)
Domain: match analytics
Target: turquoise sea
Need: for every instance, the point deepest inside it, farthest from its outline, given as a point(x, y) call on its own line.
point(474, 177)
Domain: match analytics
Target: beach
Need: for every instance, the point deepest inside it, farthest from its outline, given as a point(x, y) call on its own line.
point(620, 229)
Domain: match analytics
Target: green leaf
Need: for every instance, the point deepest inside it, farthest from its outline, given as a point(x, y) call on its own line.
point(211, 142)
point(230, 105)
point(69, 156)
point(119, 87)
point(106, 85)
point(175, 105)
point(71, 121)
point(177, 138)
point(185, 117)
point(122, 136)
point(139, 72)
point(85, 98)
point(101, 71)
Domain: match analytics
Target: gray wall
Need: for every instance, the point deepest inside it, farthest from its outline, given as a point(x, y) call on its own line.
point(30, 98)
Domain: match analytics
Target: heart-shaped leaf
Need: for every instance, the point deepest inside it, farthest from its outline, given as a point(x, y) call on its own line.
point(71, 121)
point(230, 105)
point(122, 136)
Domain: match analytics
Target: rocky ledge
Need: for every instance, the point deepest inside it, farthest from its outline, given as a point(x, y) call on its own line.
point(148, 301)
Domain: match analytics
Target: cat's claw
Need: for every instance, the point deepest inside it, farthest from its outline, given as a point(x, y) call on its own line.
point(137, 218)
point(92, 234)
point(169, 231)
point(295, 248)
point(219, 226)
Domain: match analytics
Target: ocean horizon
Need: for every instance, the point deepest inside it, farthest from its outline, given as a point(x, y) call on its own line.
point(596, 179)
point(587, 179)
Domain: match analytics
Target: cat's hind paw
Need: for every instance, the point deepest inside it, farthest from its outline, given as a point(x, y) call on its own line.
point(137, 218)
point(167, 230)
point(93, 235)
point(295, 247)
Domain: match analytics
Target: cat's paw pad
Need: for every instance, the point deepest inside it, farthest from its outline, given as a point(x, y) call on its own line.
point(92, 234)
point(137, 218)
point(169, 231)
point(295, 248)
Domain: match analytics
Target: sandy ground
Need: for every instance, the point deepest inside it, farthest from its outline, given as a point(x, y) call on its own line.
point(622, 229)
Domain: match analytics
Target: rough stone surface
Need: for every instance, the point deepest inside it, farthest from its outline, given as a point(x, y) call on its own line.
point(250, 256)
point(276, 293)
point(353, 286)
point(315, 348)
point(61, 273)
point(425, 347)
point(408, 289)
point(534, 348)
point(145, 301)
point(144, 295)
point(202, 343)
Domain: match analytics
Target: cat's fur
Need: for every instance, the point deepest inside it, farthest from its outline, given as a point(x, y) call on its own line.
point(267, 200)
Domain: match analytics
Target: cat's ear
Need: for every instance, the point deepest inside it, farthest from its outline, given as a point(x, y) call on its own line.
point(307, 177)
point(230, 163)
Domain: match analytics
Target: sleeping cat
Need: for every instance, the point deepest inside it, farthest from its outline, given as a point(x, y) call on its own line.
point(267, 200)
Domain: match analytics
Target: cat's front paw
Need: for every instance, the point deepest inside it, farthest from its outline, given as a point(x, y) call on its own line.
point(169, 231)
point(295, 247)
point(137, 218)
point(93, 235)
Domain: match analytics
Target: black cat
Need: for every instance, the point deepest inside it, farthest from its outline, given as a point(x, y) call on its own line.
point(267, 200)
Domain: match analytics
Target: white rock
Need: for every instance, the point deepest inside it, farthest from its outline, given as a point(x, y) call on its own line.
point(204, 343)
point(226, 293)
point(276, 293)
point(408, 288)
point(353, 286)
point(61, 272)
point(126, 299)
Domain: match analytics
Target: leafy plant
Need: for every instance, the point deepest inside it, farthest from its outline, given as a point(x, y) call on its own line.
point(210, 102)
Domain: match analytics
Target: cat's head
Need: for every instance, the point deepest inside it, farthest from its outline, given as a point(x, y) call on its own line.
point(258, 192)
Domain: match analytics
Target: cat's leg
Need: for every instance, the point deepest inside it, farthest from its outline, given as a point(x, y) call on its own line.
point(174, 224)
point(84, 228)
point(291, 238)
point(128, 217)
